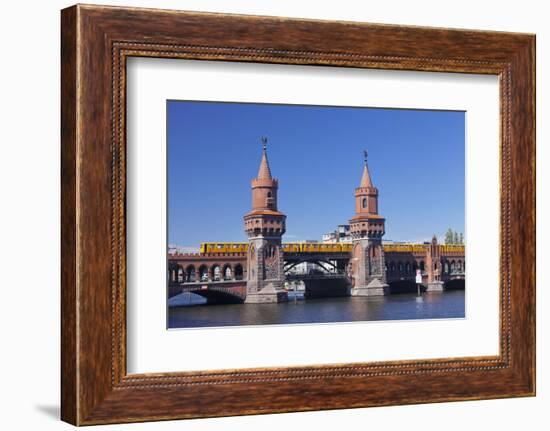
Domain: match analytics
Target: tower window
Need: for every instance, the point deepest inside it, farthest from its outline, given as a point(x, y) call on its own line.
point(364, 202)
point(269, 194)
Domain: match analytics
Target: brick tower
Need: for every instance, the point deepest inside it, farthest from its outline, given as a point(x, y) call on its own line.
point(433, 267)
point(265, 226)
point(368, 271)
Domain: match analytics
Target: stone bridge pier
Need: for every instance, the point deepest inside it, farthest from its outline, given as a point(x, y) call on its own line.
point(265, 225)
point(367, 228)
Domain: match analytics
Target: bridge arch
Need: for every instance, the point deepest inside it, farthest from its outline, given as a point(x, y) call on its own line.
point(215, 272)
point(190, 273)
point(320, 263)
point(219, 296)
point(227, 272)
point(238, 272)
point(203, 272)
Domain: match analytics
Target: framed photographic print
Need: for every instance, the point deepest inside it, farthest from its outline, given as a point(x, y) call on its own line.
point(315, 272)
point(258, 208)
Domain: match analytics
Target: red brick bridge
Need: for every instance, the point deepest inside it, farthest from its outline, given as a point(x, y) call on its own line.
point(219, 274)
point(260, 269)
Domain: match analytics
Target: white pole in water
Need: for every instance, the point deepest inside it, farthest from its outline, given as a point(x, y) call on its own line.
point(418, 281)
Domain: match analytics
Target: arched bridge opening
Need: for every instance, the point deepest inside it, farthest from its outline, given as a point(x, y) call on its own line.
point(321, 278)
point(215, 296)
point(315, 267)
point(214, 293)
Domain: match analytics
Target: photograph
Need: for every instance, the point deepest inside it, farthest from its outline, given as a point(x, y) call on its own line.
point(283, 214)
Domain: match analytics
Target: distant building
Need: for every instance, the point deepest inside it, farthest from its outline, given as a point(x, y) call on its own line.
point(329, 237)
point(340, 234)
point(174, 249)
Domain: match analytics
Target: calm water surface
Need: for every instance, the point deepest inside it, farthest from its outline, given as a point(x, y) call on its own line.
point(430, 305)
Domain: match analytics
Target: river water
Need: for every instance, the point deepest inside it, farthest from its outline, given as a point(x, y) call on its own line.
point(189, 311)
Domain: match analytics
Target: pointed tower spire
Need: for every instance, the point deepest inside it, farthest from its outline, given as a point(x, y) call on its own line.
point(264, 172)
point(367, 228)
point(366, 195)
point(265, 225)
point(365, 179)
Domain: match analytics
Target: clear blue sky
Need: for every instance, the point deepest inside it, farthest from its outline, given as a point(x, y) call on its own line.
point(416, 159)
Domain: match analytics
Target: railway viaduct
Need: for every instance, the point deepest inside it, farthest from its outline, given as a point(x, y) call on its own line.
point(258, 270)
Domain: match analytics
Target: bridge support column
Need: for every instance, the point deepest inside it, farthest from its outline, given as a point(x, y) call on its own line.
point(435, 286)
point(433, 263)
point(265, 282)
point(270, 294)
point(368, 269)
point(367, 229)
point(374, 288)
point(265, 226)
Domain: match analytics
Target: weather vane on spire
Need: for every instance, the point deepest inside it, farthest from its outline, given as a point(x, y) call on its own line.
point(365, 154)
point(264, 142)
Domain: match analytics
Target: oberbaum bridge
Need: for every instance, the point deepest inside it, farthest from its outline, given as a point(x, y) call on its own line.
point(255, 272)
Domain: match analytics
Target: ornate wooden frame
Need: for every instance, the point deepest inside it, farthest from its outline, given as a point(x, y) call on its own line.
point(95, 43)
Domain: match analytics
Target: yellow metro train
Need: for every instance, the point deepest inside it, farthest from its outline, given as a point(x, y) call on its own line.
point(316, 247)
point(405, 248)
point(452, 248)
point(224, 247)
point(288, 247)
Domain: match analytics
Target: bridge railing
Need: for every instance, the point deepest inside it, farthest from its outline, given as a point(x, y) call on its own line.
point(314, 275)
point(207, 281)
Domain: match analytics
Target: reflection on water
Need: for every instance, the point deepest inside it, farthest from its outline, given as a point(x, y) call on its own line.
point(431, 305)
